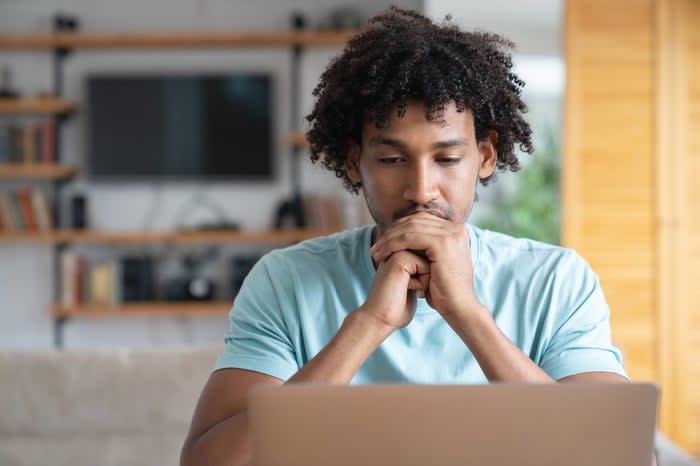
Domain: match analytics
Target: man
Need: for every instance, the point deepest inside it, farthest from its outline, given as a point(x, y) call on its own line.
point(413, 114)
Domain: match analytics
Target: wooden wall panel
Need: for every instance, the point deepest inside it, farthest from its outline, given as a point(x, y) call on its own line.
point(631, 185)
point(608, 194)
point(691, 357)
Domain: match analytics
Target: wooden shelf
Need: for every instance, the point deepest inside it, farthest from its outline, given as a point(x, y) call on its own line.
point(36, 170)
point(143, 237)
point(36, 105)
point(146, 309)
point(26, 237)
point(188, 237)
point(165, 40)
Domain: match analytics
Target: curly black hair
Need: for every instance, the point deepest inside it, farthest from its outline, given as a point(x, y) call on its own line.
point(403, 55)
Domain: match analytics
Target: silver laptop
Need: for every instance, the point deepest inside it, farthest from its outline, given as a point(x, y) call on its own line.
point(481, 425)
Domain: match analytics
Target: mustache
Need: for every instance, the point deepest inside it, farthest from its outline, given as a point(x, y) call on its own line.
point(443, 212)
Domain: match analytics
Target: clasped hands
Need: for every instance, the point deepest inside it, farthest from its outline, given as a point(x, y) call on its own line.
point(421, 255)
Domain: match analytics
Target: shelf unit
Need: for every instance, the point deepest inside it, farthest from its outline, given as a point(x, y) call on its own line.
point(62, 44)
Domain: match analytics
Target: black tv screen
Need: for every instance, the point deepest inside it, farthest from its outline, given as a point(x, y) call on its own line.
point(180, 126)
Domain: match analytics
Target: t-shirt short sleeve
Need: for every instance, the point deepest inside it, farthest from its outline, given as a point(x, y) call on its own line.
point(581, 341)
point(258, 337)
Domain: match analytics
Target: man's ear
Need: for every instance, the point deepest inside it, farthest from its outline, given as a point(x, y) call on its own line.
point(352, 163)
point(489, 155)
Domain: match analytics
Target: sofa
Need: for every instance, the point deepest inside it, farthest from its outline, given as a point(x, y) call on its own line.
point(116, 407)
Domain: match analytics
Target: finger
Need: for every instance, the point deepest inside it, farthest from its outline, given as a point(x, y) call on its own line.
point(420, 215)
point(429, 226)
point(425, 243)
point(397, 232)
point(419, 282)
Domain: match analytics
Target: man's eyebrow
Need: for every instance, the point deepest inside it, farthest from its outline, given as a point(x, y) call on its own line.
point(401, 145)
point(395, 143)
point(450, 143)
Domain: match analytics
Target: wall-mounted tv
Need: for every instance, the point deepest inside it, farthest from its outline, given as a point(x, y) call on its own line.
point(180, 126)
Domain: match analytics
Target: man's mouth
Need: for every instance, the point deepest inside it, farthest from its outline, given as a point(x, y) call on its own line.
point(436, 213)
point(445, 214)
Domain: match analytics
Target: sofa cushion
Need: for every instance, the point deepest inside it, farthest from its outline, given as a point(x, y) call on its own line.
point(127, 391)
point(162, 448)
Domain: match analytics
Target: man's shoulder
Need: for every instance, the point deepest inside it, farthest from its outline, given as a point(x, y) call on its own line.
point(347, 243)
point(525, 253)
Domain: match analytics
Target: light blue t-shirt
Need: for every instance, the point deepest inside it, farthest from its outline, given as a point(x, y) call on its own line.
point(544, 298)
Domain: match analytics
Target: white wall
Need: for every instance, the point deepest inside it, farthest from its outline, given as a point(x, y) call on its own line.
point(534, 25)
point(26, 272)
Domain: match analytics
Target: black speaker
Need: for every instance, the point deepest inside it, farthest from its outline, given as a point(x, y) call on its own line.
point(78, 212)
point(137, 279)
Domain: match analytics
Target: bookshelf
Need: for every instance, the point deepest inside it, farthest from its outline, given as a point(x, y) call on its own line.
point(62, 44)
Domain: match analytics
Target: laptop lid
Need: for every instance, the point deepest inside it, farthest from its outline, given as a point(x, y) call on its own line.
point(484, 425)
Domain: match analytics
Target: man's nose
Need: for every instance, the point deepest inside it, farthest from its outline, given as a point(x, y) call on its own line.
point(421, 187)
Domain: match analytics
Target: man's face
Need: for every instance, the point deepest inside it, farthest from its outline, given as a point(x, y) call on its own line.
point(413, 164)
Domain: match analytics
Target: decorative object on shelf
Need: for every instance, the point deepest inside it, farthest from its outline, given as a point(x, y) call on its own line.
point(6, 91)
point(65, 22)
point(137, 279)
point(193, 285)
point(290, 213)
point(343, 18)
point(78, 212)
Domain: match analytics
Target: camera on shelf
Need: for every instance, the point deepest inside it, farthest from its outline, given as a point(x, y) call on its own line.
point(192, 285)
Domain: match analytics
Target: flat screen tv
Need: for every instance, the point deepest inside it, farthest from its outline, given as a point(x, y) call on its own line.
point(180, 126)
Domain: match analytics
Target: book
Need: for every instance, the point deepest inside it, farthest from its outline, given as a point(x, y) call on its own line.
point(4, 144)
point(24, 201)
point(72, 266)
point(42, 211)
point(29, 144)
point(6, 213)
point(15, 212)
point(102, 284)
point(47, 150)
point(15, 140)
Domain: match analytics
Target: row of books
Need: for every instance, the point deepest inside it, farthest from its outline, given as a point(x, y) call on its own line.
point(33, 142)
point(89, 283)
point(25, 210)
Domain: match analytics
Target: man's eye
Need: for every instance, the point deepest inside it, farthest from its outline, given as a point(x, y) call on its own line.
point(449, 160)
point(389, 160)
